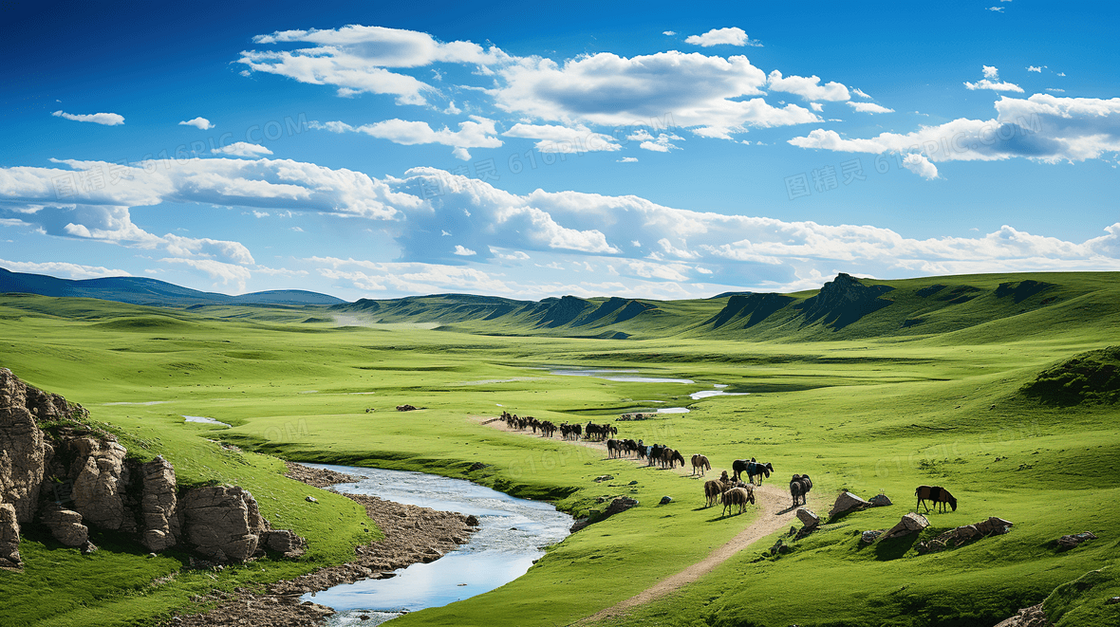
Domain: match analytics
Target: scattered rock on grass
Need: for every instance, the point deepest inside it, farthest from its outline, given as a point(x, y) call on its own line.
point(847, 502)
point(1066, 543)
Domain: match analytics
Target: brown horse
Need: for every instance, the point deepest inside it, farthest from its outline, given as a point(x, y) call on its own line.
point(700, 462)
point(936, 494)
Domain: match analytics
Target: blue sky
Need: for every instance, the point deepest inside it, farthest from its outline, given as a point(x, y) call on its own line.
point(385, 149)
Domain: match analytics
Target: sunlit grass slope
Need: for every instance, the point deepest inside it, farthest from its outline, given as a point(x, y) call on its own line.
point(873, 408)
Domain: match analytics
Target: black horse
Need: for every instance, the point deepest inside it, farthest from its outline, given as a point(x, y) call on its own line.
point(799, 486)
point(753, 469)
point(937, 494)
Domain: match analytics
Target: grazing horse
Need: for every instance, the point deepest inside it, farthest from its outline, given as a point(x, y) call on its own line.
point(937, 494)
point(739, 497)
point(675, 456)
point(752, 468)
point(712, 492)
point(700, 462)
point(614, 448)
point(799, 486)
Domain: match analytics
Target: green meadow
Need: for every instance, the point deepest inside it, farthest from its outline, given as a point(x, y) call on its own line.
point(979, 396)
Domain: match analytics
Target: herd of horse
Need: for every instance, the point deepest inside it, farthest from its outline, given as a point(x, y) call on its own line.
point(731, 491)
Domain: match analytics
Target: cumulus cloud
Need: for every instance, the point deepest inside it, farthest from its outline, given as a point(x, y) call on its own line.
point(354, 59)
point(494, 228)
point(200, 123)
point(1042, 127)
point(563, 139)
point(661, 143)
point(733, 36)
point(869, 107)
point(919, 164)
point(659, 90)
point(991, 81)
point(1034, 68)
point(478, 132)
point(61, 268)
point(809, 88)
point(242, 149)
point(106, 119)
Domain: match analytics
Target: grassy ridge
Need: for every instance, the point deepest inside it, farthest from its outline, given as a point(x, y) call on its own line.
point(866, 413)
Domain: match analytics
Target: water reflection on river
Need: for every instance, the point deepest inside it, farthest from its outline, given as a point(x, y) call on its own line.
point(513, 532)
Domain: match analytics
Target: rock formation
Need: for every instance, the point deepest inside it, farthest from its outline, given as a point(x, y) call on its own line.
point(23, 450)
point(847, 502)
point(9, 537)
point(965, 534)
point(159, 524)
point(910, 523)
point(75, 478)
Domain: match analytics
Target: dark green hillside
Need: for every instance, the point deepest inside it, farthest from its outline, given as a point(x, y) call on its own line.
point(1092, 377)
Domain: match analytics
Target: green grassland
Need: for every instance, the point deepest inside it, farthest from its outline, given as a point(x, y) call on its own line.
point(942, 386)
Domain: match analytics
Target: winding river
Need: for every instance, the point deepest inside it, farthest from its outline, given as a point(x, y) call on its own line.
point(513, 533)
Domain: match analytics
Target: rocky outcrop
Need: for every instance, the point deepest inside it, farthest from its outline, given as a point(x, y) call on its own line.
point(100, 479)
point(9, 537)
point(159, 526)
point(964, 534)
point(808, 518)
point(65, 525)
point(1033, 616)
point(910, 523)
point(1066, 543)
point(880, 500)
point(222, 523)
point(843, 301)
point(77, 478)
point(23, 450)
point(847, 502)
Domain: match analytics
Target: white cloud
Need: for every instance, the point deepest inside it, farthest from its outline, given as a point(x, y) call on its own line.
point(563, 139)
point(919, 164)
point(991, 81)
point(463, 252)
point(1042, 127)
point(808, 88)
point(733, 36)
point(869, 107)
point(225, 272)
point(658, 91)
point(860, 93)
point(478, 132)
point(996, 9)
point(669, 33)
point(661, 143)
point(628, 160)
point(241, 149)
point(61, 268)
point(106, 119)
point(1034, 68)
point(354, 59)
point(200, 123)
point(818, 107)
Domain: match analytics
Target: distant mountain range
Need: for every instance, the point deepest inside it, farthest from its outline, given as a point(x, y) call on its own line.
point(152, 292)
point(974, 307)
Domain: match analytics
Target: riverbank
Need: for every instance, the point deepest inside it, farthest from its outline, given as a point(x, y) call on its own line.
point(413, 534)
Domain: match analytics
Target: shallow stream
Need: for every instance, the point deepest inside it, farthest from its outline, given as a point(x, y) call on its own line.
point(513, 534)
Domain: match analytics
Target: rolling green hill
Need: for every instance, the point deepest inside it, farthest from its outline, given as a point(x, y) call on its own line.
point(1001, 388)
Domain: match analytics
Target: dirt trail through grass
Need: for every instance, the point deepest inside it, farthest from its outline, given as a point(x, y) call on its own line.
point(774, 514)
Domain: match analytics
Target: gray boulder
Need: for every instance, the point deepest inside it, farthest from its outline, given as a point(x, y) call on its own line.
point(284, 541)
point(65, 525)
point(808, 518)
point(880, 500)
point(910, 523)
point(847, 502)
point(222, 523)
point(1066, 543)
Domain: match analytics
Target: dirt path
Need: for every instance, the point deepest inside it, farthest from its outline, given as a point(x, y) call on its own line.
point(775, 514)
